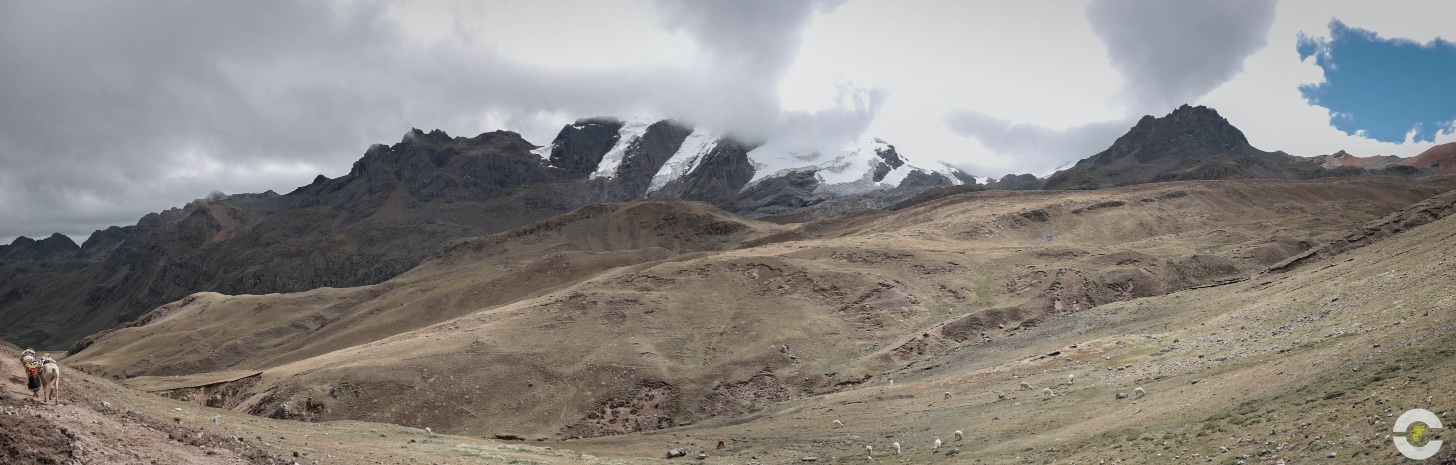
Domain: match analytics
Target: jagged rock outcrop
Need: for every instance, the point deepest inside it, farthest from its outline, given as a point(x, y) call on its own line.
point(25, 248)
point(823, 205)
point(1016, 182)
point(779, 195)
point(579, 148)
point(891, 160)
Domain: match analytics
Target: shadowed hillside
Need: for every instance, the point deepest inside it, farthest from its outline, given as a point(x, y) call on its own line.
point(499, 269)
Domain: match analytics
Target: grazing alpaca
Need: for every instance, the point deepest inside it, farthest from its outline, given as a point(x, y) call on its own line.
point(1025, 386)
point(936, 446)
point(1138, 393)
point(50, 377)
point(958, 435)
point(1047, 392)
point(1071, 378)
point(870, 452)
point(947, 395)
point(838, 424)
point(896, 445)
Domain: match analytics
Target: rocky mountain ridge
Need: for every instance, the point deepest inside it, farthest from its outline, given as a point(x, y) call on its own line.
point(401, 202)
point(1196, 143)
point(635, 317)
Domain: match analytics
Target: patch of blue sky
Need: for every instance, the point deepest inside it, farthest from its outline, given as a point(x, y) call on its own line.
point(1383, 89)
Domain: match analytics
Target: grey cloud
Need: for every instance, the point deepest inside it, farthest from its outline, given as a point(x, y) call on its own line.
point(1173, 52)
point(828, 129)
point(105, 108)
point(752, 43)
point(748, 35)
point(1027, 148)
point(1169, 53)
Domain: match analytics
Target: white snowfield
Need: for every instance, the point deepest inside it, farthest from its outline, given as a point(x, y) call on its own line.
point(846, 171)
point(545, 152)
point(948, 171)
point(849, 171)
point(697, 145)
point(629, 134)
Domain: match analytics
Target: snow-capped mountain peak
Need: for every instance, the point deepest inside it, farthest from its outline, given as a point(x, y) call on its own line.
point(866, 165)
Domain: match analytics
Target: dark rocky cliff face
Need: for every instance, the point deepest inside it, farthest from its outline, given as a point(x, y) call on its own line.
point(579, 148)
point(717, 178)
point(779, 195)
point(1016, 182)
point(790, 197)
point(644, 158)
point(891, 160)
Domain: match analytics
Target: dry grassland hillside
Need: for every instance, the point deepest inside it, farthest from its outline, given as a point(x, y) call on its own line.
point(625, 329)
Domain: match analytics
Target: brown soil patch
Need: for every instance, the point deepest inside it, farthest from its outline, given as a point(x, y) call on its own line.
point(78, 428)
point(27, 438)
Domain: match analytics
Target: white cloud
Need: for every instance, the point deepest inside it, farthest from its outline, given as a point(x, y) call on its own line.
point(1029, 148)
point(1264, 101)
point(1167, 53)
point(1019, 61)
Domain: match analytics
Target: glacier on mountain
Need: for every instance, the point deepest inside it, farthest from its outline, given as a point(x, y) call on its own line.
point(628, 135)
point(851, 170)
point(687, 157)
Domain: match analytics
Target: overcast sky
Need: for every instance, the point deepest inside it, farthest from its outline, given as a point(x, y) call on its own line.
point(110, 110)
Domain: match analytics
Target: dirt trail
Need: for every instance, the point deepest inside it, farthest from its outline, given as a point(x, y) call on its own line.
point(78, 429)
point(143, 428)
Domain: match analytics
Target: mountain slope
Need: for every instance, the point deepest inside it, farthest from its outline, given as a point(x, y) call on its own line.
point(1194, 143)
point(1342, 159)
point(514, 265)
point(1311, 361)
point(562, 346)
point(99, 422)
point(397, 205)
point(1441, 159)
